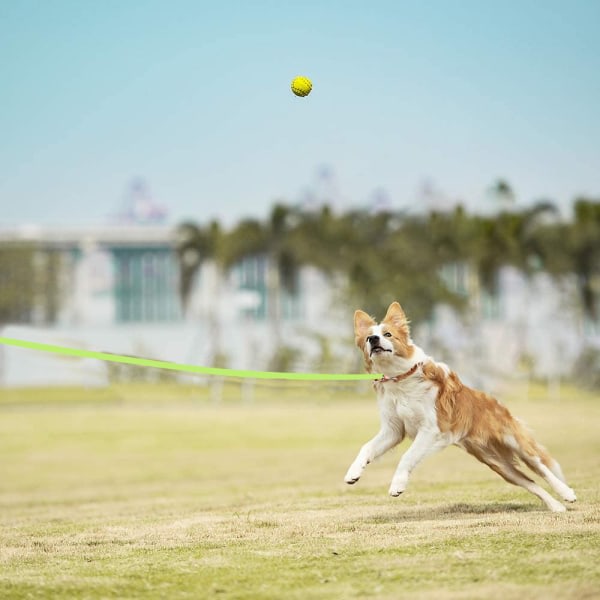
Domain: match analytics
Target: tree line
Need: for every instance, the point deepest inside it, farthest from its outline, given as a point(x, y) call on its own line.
point(378, 257)
point(394, 255)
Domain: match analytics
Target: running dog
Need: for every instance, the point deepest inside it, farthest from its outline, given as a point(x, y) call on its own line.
point(426, 401)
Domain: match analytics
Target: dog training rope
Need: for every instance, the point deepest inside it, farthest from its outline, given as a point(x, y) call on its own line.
point(172, 366)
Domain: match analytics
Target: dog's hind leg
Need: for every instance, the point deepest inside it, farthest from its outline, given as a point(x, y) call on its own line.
point(507, 470)
point(541, 466)
point(539, 461)
point(554, 467)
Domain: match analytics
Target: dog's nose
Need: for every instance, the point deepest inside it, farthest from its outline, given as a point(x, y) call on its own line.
point(373, 339)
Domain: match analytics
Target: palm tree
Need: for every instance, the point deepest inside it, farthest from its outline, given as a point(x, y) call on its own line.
point(389, 255)
point(585, 252)
point(503, 194)
point(573, 248)
point(192, 246)
point(276, 241)
point(198, 246)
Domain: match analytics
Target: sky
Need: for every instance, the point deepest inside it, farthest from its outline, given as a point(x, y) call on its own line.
point(194, 99)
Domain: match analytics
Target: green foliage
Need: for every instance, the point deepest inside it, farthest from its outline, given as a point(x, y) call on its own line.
point(195, 244)
point(122, 373)
point(574, 249)
point(389, 255)
point(16, 282)
point(284, 358)
point(29, 283)
point(586, 371)
point(220, 360)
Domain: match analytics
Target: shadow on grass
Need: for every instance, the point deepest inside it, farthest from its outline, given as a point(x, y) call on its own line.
point(459, 510)
point(497, 507)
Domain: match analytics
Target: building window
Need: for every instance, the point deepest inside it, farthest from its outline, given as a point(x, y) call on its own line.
point(146, 287)
point(456, 278)
point(250, 277)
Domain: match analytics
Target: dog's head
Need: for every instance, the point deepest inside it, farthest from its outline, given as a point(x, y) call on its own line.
point(387, 346)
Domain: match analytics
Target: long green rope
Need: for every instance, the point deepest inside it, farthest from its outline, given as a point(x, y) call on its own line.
point(161, 364)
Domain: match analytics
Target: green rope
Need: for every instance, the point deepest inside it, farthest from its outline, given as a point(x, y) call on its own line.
point(161, 364)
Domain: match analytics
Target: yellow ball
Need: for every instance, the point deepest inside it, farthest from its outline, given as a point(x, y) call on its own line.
point(301, 86)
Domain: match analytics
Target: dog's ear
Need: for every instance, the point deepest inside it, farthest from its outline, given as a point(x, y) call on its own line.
point(396, 317)
point(362, 322)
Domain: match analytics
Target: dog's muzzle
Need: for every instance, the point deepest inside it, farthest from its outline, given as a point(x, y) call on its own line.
point(376, 348)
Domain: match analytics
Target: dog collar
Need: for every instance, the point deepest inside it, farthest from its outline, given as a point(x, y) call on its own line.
point(400, 377)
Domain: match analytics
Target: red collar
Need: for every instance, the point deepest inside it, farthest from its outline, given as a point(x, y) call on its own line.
point(400, 377)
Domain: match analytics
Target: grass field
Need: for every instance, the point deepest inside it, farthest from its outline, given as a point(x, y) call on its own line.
point(157, 492)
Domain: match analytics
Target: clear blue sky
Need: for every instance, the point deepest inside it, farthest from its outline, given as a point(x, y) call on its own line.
point(194, 97)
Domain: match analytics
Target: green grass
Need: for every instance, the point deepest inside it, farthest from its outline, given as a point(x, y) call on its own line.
point(142, 491)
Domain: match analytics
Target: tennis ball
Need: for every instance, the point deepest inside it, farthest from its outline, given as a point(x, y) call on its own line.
point(301, 86)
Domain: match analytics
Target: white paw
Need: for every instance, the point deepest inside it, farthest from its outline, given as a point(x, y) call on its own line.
point(557, 507)
point(398, 486)
point(565, 492)
point(353, 474)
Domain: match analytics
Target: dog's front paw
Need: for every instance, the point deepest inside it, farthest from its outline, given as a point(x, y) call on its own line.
point(398, 486)
point(353, 474)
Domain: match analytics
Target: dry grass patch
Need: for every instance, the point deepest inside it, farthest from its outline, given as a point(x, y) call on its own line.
point(178, 498)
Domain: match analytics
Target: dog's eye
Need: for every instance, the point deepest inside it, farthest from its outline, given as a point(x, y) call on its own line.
point(387, 334)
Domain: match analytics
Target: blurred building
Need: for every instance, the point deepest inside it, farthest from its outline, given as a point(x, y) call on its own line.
point(116, 289)
point(99, 276)
point(529, 327)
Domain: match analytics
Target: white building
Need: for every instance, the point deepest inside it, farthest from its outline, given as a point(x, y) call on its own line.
point(117, 290)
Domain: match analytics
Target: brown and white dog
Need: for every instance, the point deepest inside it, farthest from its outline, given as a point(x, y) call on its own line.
point(425, 400)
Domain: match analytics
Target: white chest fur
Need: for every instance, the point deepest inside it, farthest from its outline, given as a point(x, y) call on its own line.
point(408, 403)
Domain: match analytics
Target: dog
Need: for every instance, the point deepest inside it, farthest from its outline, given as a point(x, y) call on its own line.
point(426, 401)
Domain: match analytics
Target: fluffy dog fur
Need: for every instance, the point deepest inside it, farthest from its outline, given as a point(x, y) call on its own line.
point(425, 400)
